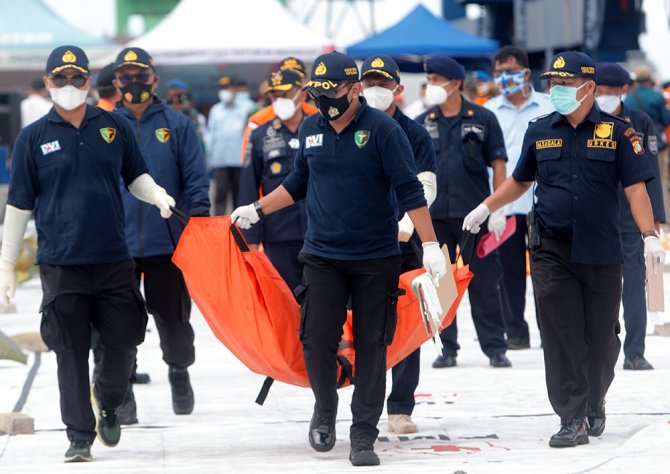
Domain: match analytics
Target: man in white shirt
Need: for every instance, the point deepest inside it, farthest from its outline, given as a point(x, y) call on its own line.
point(36, 105)
point(517, 104)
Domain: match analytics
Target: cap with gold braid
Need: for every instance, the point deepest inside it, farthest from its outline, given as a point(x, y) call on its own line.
point(382, 65)
point(67, 57)
point(283, 80)
point(329, 71)
point(569, 64)
point(136, 57)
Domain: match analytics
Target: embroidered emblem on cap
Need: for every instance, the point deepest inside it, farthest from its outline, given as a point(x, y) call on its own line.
point(130, 56)
point(162, 134)
point(559, 63)
point(320, 69)
point(108, 134)
point(276, 78)
point(351, 71)
point(377, 63)
point(289, 64)
point(69, 57)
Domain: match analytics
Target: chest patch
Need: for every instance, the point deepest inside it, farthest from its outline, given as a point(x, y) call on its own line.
point(431, 128)
point(314, 140)
point(275, 167)
point(550, 143)
point(472, 129)
point(162, 134)
point(361, 137)
point(108, 134)
point(50, 147)
point(294, 143)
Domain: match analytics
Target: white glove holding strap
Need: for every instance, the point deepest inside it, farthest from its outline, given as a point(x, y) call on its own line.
point(16, 221)
point(653, 247)
point(145, 189)
point(497, 223)
point(245, 216)
point(476, 218)
point(434, 261)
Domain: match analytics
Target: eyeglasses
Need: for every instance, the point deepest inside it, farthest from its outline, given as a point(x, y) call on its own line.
point(125, 79)
point(61, 80)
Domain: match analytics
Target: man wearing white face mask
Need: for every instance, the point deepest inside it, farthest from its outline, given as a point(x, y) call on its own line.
point(269, 159)
point(65, 170)
point(612, 84)
point(380, 78)
point(578, 156)
point(225, 126)
point(468, 141)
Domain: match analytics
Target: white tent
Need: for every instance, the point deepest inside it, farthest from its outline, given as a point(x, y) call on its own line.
point(251, 31)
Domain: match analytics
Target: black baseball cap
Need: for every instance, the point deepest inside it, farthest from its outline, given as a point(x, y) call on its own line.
point(383, 65)
point(569, 64)
point(294, 64)
point(445, 66)
point(105, 76)
point(329, 71)
point(67, 57)
point(283, 80)
point(136, 57)
point(611, 74)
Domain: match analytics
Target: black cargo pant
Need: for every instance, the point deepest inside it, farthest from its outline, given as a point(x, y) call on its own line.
point(74, 298)
point(372, 286)
point(579, 312)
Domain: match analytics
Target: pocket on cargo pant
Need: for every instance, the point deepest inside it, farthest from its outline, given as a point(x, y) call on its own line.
point(50, 328)
point(391, 315)
point(301, 295)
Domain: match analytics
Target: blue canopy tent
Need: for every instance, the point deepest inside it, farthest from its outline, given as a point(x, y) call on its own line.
point(420, 34)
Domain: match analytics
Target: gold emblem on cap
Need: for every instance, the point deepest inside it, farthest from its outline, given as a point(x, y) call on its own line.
point(320, 69)
point(290, 63)
point(377, 63)
point(69, 57)
point(130, 56)
point(276, 78)
point(559, 63)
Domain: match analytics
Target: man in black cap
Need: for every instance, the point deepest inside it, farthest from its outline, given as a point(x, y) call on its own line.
point(351, 159)
point(578, 156)
point(612, 84)
point(170, 146)
point(468, 141)
point(65, 170)
point(380, 78)
point(107, 92)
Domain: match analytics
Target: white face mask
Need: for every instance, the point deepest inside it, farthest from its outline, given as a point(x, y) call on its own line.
point(285, 108)
point(225, 95)
point(608, 103)
point(379, 97)
point(68, 97)
point(436, 94)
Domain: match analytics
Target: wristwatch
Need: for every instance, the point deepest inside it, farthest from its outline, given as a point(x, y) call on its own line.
point(650, 233)
point(259, 209)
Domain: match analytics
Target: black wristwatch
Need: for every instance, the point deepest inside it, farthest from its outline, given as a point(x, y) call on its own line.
point(259, 209)
point(650, 233)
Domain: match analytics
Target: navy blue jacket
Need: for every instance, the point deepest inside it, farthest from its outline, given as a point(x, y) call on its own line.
point(269, 158)
point(171, 148)
point(348, 180)
point(465, 146)
point(69, 177)
point(577, 172)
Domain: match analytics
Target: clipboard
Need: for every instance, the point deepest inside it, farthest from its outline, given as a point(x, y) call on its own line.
point(488, 242)
point(655, 297)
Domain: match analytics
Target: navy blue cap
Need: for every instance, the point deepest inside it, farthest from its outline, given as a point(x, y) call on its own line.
point(570, 64)
point(382, 64)
point(444, 66)
point(136, 57)
point(611, 74)
point(294, 64)
point(105, 76)
point(177, 84)
point(67, 57)
point(329, 71)
point(284, 80)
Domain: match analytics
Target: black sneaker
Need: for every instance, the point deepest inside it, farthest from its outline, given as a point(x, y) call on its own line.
point(127, 412)
point(79, 451)
point(443, 361)
point(182, 392)
point(106, 422)
point(322, 431)
point(500, 361)
point(363, 453)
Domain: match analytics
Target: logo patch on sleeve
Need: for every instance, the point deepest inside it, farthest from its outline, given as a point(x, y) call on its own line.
point(108, 134)
point(50, 147)
point(314, 140)
point(162, 134)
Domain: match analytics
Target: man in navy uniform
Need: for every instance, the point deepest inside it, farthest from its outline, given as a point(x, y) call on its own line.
point(578, 156)
point(269, 158)
point(612, 84)
point(171, 147)
point(350, 161)
point(65, 169)
point(468, 141)
point(380, 77)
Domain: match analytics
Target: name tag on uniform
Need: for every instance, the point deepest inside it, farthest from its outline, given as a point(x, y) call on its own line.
point(50, 147)
point(314, 140)
point(550, 143)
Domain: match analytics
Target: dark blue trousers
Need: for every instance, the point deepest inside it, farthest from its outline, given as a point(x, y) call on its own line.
point(512, 255)
point(284, 257)
point(633, 295)
point(484, 292)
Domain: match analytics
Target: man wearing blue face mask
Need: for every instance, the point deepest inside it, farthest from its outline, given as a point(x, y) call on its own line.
point(612, 84)
point(517, 104)
point(577, 157)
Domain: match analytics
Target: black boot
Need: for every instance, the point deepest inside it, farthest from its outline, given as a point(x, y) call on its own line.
point(595, 420)
point(182, 392)
point(322, 431)
point(571, 434)
point(127, 412)
point(363, 453)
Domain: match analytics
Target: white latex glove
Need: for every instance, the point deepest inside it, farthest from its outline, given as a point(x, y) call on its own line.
point(476, 218)
point(434, 261)
point(245, 216)
point(653, 247)
point(405, 228)
point(7, 280)
point(497, 223)
point(162, 200)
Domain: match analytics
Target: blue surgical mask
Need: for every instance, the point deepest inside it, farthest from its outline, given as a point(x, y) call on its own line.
point(564, 98)
point(243, 95)
point(509, 83)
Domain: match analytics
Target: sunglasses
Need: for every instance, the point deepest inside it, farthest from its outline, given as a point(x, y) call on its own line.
point(61, 80)
point(125, 79)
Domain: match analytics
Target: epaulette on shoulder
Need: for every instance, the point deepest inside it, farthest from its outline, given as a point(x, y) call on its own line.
point(616, 118)
point(539, 117)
